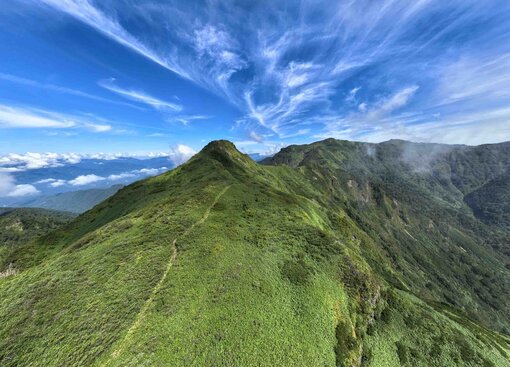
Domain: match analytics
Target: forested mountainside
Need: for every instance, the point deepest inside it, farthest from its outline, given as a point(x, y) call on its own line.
point(20, 225)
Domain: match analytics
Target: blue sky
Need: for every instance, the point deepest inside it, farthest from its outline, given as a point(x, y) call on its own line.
point(143, 76)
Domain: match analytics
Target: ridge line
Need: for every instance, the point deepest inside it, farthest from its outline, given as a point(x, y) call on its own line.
point(149, 301)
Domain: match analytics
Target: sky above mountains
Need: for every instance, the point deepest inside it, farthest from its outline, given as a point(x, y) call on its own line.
point(88, 76)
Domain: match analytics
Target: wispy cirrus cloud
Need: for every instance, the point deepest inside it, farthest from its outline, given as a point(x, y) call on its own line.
point(15, 117)
point(187, 119)
point(87, 13)
point(325, 67)
point(140, 96)
point(98, 128)
point(59, 89)
point(476, 78)
point(390, 104)
point(28, 117)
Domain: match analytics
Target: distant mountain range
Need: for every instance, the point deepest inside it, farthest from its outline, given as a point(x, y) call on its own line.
point(73, 201)
point(59, 188)
point(334, 253)
point(87, 173)
point(257, 157)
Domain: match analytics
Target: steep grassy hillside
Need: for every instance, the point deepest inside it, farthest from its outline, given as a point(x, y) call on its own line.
point(410, 199)
point(224, 262)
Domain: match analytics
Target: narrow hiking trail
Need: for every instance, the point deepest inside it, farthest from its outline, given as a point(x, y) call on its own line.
point(143, 311)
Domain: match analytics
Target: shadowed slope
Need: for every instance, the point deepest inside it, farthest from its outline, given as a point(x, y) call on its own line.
point(410, 199)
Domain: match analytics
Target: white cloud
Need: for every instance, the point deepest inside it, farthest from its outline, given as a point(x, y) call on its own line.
point(351, 96)
point(8, 187)
point(266, 148)
point(253, 135)
point(219, 54)
point(23, 190)
point(398, 100)
point(7, 183)
point(99, 128)
point(299, 73)
point(186, 119)
point(219, 50)
point(212, 40)
point(58, 183)
point(15, 162)
point(366, 119)
point(151, 171)
point(13, 117)
point(152, 155)
point(121, 176)
point(85, 180)
point(21, 162)
point(27, 117)
point(10, 169)
point(46, 180)
point(300, 132)
point(136, 173)
point(139, 96)
point(53, 182)
point(180, 154)
point(92, 178)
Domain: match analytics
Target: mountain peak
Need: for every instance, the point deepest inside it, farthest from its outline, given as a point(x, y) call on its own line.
point(225, 152)
point(220, 145)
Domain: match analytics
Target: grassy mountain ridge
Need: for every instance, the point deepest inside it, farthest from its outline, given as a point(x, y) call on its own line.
point(222, 261)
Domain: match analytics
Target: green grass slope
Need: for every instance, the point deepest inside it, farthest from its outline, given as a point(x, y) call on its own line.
point(223, 262)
